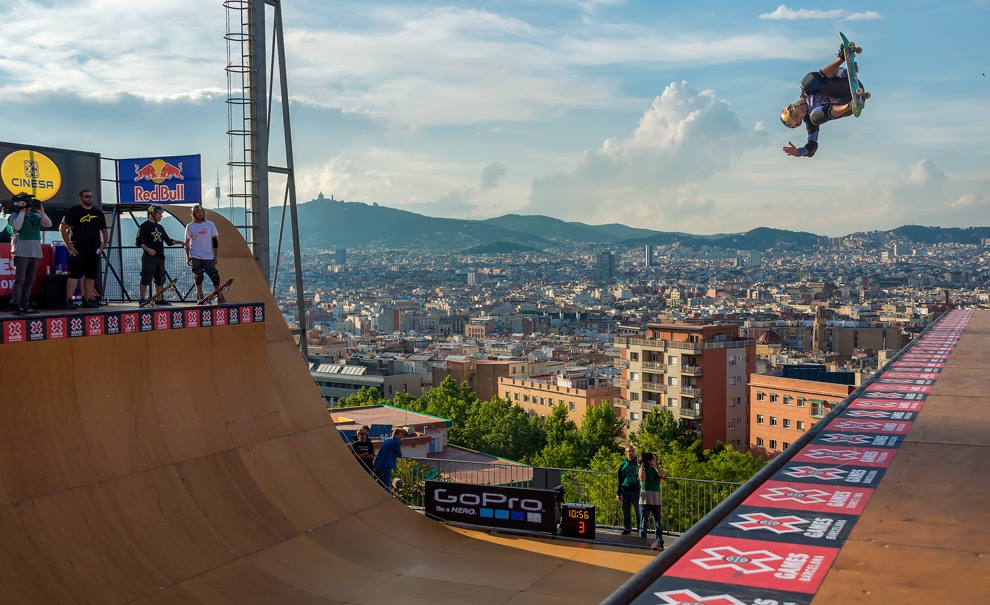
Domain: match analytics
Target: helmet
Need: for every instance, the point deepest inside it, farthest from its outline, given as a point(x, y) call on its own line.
point(787, 117)
point(195, 208)
point(152, 209)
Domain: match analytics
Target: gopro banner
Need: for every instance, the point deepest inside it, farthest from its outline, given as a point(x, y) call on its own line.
point(492, 506)
point(166, 180)
point(53, 176)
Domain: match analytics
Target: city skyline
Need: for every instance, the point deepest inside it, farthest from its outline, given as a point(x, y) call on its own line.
point(596, 111)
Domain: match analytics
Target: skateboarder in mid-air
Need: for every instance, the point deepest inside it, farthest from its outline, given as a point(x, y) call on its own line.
point(825, 95)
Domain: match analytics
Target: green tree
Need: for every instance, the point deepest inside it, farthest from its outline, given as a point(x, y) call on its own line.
point(364, 396)
point(448, 400)
point(558, 455)
point(600, 429)
point(661, 433)
point(499, 428)
point(563, 441)
point(558, 427)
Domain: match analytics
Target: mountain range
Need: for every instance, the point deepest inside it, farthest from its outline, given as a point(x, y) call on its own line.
point(326, 224)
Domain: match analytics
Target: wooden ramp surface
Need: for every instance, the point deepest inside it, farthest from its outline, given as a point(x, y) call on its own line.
point(201, 466)
point(925, 535)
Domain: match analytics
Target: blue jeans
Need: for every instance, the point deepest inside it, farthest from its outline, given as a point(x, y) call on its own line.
point(630, 500)
point(384, 475)
point(646, 511)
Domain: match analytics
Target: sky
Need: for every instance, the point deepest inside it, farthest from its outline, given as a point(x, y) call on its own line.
point(649, 113)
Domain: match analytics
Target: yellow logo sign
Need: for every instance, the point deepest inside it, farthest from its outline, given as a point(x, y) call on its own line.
point(26, 171)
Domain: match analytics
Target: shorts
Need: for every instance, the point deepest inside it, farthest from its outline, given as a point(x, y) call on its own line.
point(836, 87)
point(84, 264)
point(152, 267)
point(204, 265)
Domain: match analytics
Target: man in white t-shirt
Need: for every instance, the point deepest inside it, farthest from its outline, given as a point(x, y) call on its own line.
point(201, 250)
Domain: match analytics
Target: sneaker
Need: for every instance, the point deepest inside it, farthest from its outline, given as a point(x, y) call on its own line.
point(141, 302)
point(29, 310)
point(642, 535)
point(626, 532)
point(90, 304)
point(14, 311)
point(70, 304)
point(164, 303)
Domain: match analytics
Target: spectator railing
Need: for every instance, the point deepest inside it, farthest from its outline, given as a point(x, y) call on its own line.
point(685, 501)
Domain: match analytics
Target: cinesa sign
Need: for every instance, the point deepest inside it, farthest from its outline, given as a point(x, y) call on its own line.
point(492, 506)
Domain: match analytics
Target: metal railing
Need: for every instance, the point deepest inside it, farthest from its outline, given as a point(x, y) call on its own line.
point(654, 366)
point(696, 347)
point(691, 370)
point(691, 391)
point(685, 501)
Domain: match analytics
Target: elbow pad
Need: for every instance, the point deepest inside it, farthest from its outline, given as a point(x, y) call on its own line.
point(811, 147)
point(216, 243)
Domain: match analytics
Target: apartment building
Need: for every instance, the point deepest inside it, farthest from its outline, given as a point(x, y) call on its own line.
point(697, 372)
point(836, 337)
point(577, 391)
point(783, 405)
point(483, 375)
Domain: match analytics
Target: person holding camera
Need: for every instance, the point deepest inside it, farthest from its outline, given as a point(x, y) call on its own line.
point(25, 225)
point(628, 493)
point(650, 475)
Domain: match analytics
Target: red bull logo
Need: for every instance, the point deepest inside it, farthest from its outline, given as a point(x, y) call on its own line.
point(158, 171)
point(160, 180)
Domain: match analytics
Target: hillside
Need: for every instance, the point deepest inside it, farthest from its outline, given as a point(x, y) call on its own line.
point(329, 224)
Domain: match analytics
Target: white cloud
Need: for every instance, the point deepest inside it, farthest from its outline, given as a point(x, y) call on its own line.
point(686, 136)
point(864, 16)
point(491, 175)
point(782, 12)
point(106, 48)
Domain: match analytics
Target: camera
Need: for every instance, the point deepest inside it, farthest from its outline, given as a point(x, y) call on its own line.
point(646, 458)
point(15, 203)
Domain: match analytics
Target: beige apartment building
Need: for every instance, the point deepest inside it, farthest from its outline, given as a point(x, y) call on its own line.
point(840, 339)
point(538, 394)
point(697, 372)
point(482, 375)
point(782, 409)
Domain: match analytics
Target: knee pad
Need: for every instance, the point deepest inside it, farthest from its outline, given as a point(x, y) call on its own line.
point(821, 114)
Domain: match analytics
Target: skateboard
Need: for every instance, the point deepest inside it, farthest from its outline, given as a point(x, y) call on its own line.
point(157, 296)
point(216, 295)
point(859, 96)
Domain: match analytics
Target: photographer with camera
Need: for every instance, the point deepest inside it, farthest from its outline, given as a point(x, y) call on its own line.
point(26, 222)
point(628, 493)
point(650, 475)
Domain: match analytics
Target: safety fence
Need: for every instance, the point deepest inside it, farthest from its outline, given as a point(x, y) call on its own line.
point(685, 501)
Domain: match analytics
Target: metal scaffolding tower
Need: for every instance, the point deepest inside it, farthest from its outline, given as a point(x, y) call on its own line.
point(250, 96)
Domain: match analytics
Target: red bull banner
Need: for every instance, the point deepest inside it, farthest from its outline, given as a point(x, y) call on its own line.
point(54, 176)
point(165, 180)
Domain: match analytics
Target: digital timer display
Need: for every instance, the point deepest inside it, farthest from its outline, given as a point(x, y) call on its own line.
point(577, 521)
